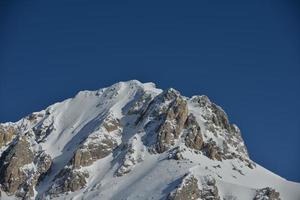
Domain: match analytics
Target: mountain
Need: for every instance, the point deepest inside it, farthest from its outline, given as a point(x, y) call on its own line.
point(133, 141)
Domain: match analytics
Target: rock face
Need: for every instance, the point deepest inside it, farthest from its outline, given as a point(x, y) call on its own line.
point(68, 180)
point(12, 176)
point(170, 111)
point(218, 125)
point(209, 189)
point(21, 167)
point(7, 133)
point(212, 151)
point(130, 141)
point(188, 189)
point(90, 152)
point(134, 155)
point(99, 144)
point(267, 194)
point(194, 137)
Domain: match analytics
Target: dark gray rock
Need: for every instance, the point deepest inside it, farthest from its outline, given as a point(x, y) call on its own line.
point(267, 194)
point(68, 180)
point(209, 189)
point(42, 131)
point(211, 150)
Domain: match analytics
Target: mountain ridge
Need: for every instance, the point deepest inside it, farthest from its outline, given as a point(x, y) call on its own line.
point(109, 142)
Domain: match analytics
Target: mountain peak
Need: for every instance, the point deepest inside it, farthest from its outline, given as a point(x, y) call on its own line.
point(132, 140)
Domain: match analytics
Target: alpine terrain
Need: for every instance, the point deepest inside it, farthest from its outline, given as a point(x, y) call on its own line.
point(133, 141)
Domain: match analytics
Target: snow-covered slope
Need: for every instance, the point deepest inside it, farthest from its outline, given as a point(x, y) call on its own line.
point(132, 141)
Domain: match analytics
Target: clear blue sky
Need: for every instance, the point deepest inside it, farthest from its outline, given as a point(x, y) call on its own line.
point(245, 55)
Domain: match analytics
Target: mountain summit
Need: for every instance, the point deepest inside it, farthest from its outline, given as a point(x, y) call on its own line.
point(132, 141)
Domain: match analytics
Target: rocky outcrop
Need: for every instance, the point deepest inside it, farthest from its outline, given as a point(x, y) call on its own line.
point(209, 190)
point(146, 137)
point(12, 161)
point(92, 151)
point(212, 151)
point(44, 129)
point(111, 124)
point(139, 106)
point(99, 144)
point(267, 194)
point(21, 168)
point(193, 188)
point(68, 180)
point(217, 123)
point(7, 133)
point(188, 189)
point(134, 155)
point(212, 113)
point(174, 118)
point(193, 137)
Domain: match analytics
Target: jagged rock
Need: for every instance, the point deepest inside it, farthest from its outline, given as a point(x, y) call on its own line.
point(188, 189)
point(91, 151)
point(44, 129)
point(212, 151)
point(43, 162)
point(81, 130)
point(140, 105)
point(99, 144)
point(111, 124)
point(174, 119)
point(212, 112)
point(134, 155)
point(219, 117)
point(33, 117)
point(21, 167)
point(267, 194)
point(209, 190)
point(236, 140)
point(176, 154)
point(216, 122)
point(68, 180)
point(12, 160)
point(193, 138)
point(7, 133)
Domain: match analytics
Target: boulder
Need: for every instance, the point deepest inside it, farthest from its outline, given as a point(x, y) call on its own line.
point(267, 194)
point(188, 189)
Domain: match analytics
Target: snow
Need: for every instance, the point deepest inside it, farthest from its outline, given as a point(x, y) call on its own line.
point(144, 175)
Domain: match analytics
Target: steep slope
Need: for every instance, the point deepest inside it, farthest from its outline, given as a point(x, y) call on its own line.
point(132, 141)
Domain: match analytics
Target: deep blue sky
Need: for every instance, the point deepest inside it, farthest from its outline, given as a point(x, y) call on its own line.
point(245, 55)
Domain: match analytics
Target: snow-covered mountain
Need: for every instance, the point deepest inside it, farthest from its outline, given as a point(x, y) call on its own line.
point(132, 141)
